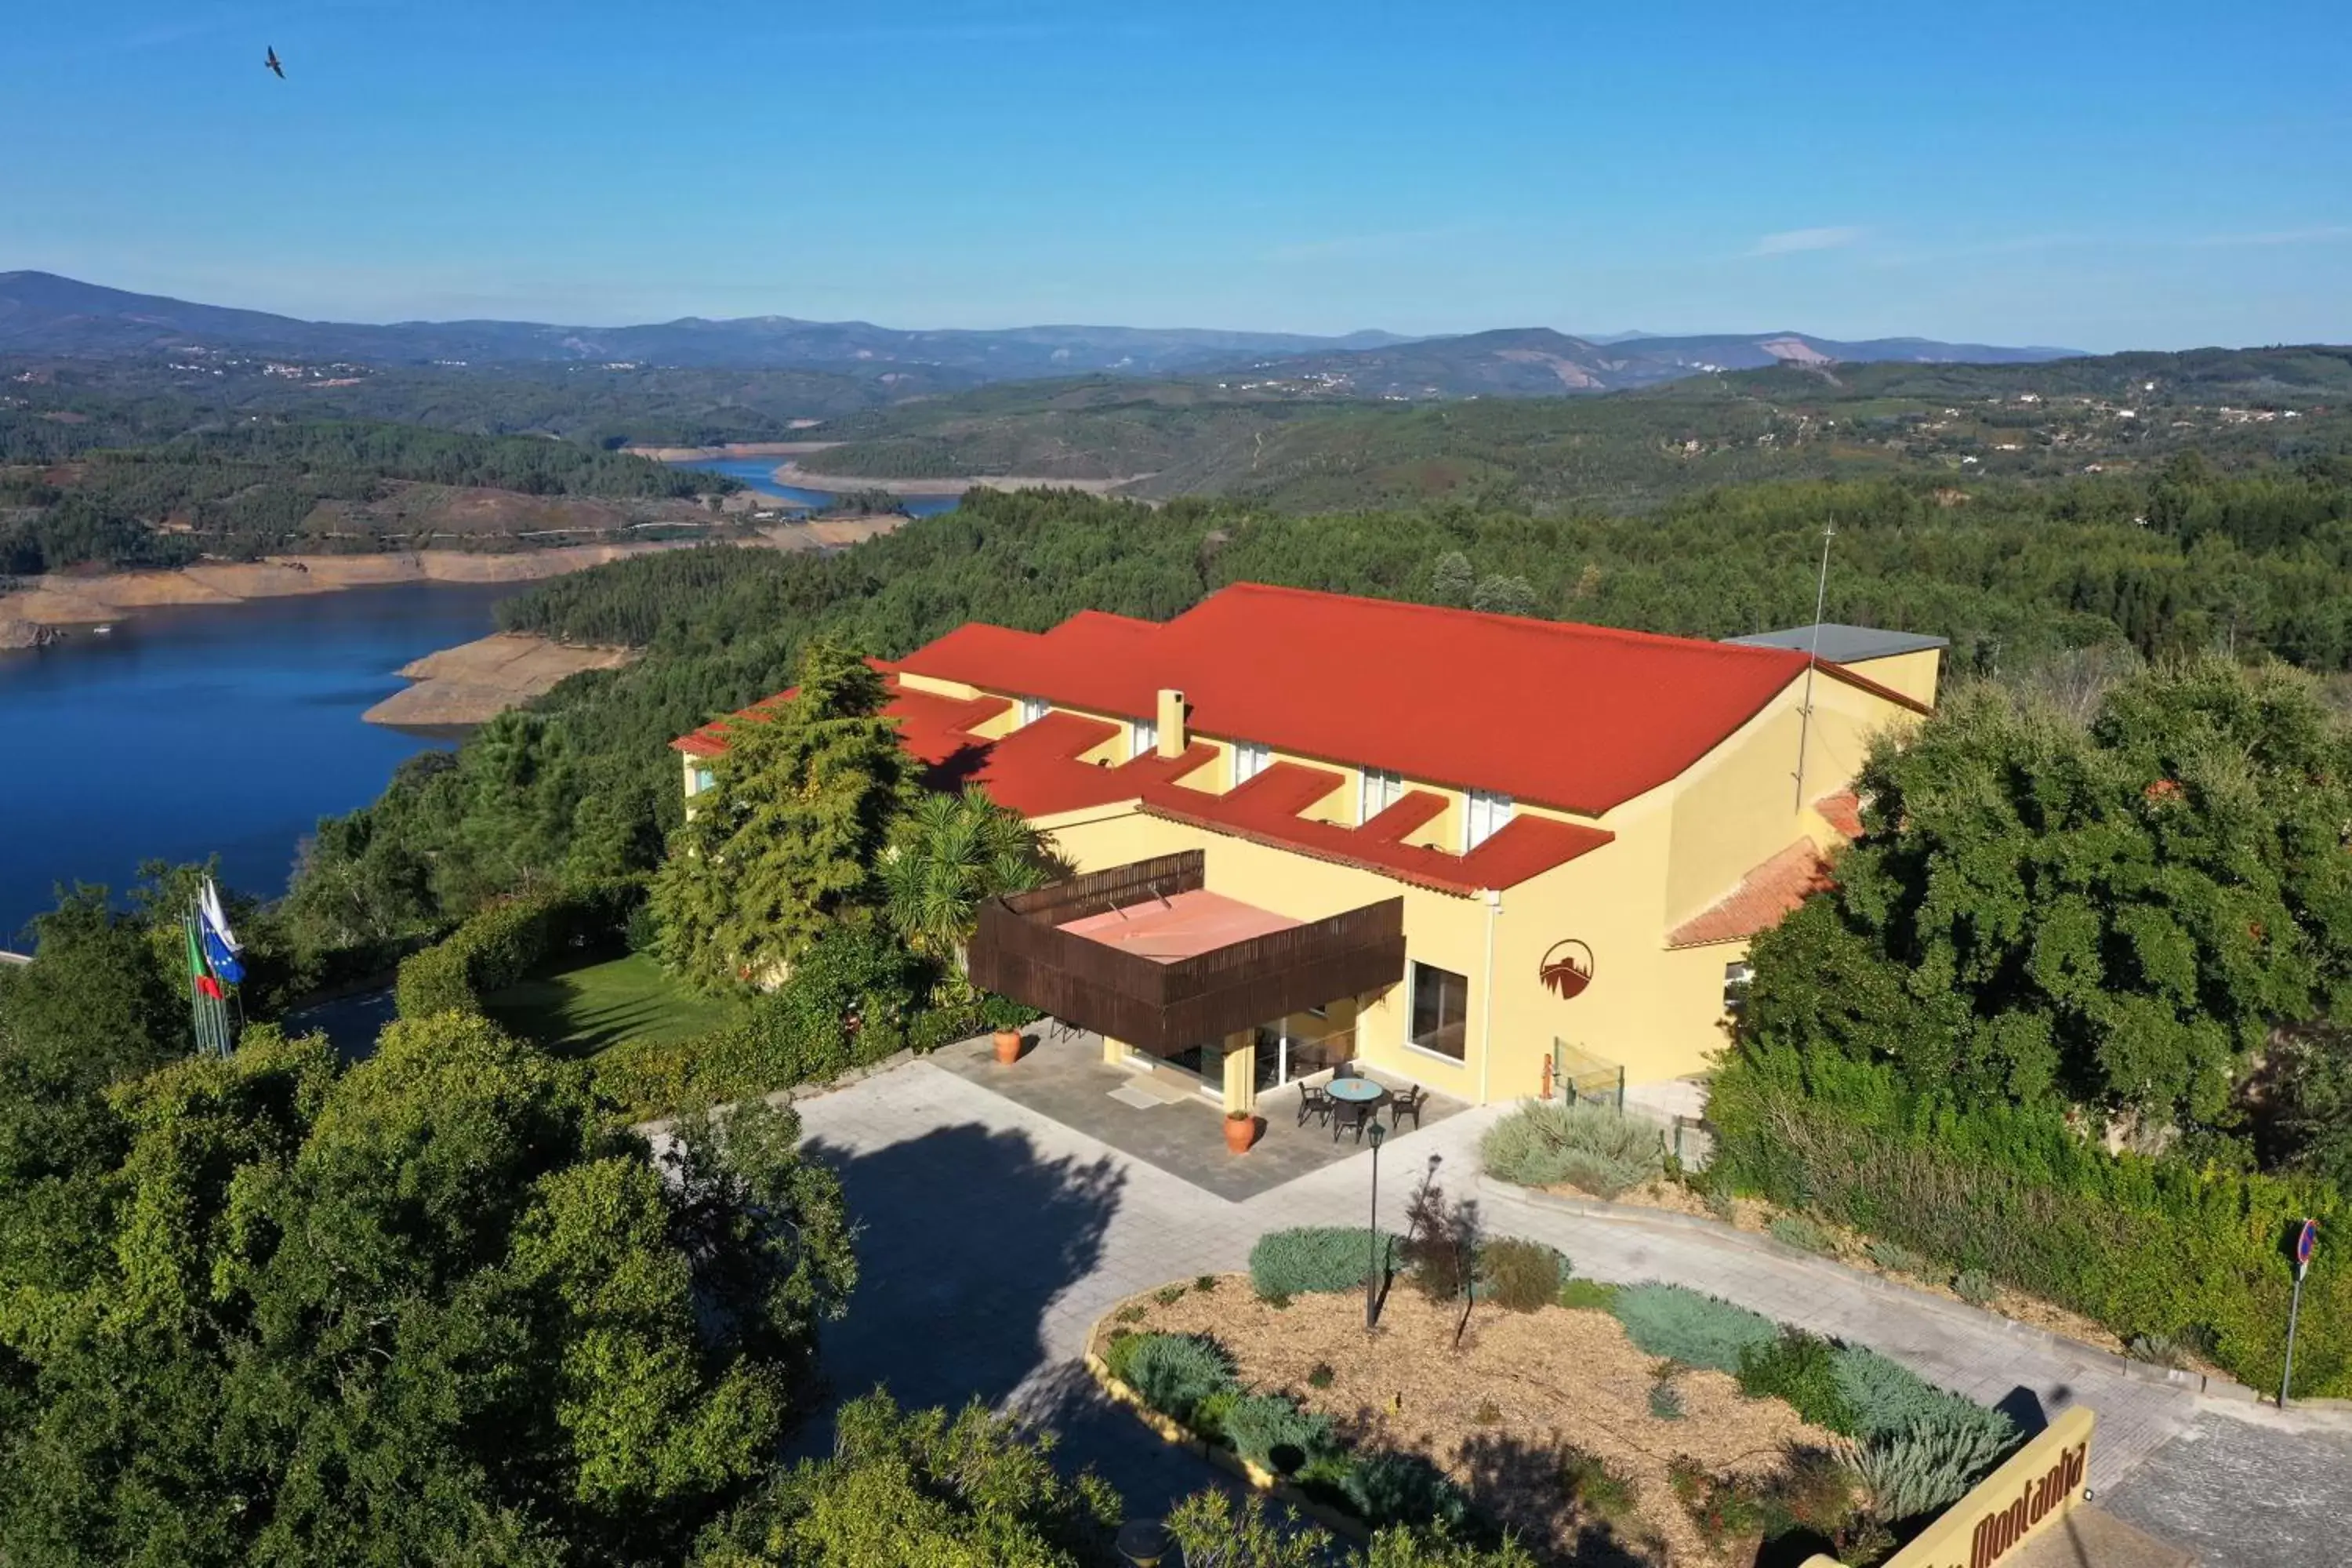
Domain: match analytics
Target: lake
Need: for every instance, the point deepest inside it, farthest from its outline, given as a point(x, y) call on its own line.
point(228, 728)
point(760, 474)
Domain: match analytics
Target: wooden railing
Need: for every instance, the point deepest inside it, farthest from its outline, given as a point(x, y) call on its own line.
point(1020, 951)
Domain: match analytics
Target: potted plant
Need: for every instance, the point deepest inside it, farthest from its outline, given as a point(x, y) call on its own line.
point(1008, 1045)
point(1240, 1131)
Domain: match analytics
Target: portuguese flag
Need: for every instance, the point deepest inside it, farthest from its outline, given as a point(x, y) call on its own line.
point(201, 976)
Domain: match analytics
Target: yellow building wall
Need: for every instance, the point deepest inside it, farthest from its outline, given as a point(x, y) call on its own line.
point(1914, 674)
point(1743, 804)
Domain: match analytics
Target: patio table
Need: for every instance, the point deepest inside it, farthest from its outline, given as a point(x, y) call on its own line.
point(1356, 1090)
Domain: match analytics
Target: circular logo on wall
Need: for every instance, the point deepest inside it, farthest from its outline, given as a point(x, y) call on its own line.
point(1567, 968)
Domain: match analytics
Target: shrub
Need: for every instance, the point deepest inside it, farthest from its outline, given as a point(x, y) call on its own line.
point(1321, 1376)
point(1808, 1234)
point(847, 1005)
point(1932, 1464)
point(1547, 1142)
point(1973, 1286)
point(2161, 1350)
point(510, 940)
point(1814, 1492)
point(1174, 1372)
point(1885, 1396)
point(1132, 1314)
point(1169, 1295)
point(2129, 1241)
point(1272, 1430)
point(1726, 1509)
point(1205, 1283)
point(1800, 1369)
point(1391, 1489)
point(1896, 1258)
point(1521, 1276)
point(1209, 1416)
point(1315, 1258)
point(1696, 1330)
point(1665, 1400)
point(1119, 1352)
point(1587, 1296)
point(1595, 1488)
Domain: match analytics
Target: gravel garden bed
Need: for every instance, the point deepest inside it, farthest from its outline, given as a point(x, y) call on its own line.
point(1648, 1425)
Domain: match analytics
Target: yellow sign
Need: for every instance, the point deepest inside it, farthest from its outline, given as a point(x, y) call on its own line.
point(2036, 1487)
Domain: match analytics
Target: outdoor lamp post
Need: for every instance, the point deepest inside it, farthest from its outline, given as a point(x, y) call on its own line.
point(1372, 1275)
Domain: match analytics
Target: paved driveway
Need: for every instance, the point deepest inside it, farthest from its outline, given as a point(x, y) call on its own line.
point(995, 1238)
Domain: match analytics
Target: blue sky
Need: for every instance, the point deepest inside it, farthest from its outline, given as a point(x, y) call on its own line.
point(2085, 173)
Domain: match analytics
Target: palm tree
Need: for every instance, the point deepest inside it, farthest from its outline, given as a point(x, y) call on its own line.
point(950, 855)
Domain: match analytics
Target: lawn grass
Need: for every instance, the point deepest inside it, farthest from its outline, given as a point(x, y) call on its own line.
point(579, 1012)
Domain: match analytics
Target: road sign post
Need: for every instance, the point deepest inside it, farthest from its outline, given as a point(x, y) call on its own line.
point(2306, 1238)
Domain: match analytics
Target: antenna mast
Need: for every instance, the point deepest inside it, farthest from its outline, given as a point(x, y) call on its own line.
point(1813, 659)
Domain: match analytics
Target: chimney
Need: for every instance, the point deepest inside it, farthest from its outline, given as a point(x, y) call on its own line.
point(1172, 739)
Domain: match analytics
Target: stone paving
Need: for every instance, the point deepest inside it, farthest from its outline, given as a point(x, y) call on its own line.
point(1159, 1119)
point(994, 1236)
point(2244, 1489)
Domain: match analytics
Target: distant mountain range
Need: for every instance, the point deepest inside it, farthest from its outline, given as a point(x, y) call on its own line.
point(1536, 361)
point(41, 313)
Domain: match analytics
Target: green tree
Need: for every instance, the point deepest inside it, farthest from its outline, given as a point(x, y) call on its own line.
point(950, 855)
point(2114, 916)
point(787, 841)
point(428, 1309)
point(971, 1491)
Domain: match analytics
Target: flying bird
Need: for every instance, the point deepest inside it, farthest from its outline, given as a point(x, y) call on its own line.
point(272, 63)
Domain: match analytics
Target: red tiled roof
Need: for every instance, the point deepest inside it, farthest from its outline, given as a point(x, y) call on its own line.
point(1841, 811)
point(1265, 810)
point(1576, 717)
point(1764, 897)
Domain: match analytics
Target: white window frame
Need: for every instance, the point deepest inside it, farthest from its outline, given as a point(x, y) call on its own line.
point(1413, 975)
point(1737, 976)
point(1142, 737)
point(1032, 708)
point(1250, 759)
point(705, 779)
point(1484, 812)
point(1376, 790)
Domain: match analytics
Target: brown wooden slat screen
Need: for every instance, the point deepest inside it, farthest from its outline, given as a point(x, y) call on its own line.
point(1164, 1008)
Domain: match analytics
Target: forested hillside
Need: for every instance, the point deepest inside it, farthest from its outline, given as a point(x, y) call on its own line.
point(252, 487)
point(54, 408)
point(1302, 445)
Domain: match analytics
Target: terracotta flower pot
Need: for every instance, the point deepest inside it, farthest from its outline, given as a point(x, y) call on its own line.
point(1240, 1132)
point(1008, 1045)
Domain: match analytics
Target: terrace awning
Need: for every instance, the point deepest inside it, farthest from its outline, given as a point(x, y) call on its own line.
point(1145, 954)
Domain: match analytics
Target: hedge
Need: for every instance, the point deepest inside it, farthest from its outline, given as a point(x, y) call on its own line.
point(510, 939)
point(2145, 1246)
point(855, 997)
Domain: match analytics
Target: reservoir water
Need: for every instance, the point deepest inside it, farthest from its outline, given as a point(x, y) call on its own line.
point(191, 731)
point(760, 474)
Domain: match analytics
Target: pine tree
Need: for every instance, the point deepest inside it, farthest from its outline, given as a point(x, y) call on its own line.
point(787, 840)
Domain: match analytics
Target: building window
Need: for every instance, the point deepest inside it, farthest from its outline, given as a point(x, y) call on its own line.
point(1031, 710)
point(1737, 977)
point(1441, 1005)
point(1380, 790)
point(1249, 761)
point(1486, 814)
point(703, 779)
point(1142, 737)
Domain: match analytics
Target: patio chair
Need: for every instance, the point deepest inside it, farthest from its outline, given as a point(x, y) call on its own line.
point(1406, 1102)
point(1315, 1100)
point(1354, 1115)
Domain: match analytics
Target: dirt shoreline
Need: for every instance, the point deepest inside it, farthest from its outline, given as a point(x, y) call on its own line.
point(64, 600)
point(475, 682)
point(793, 474)
point(730, 450)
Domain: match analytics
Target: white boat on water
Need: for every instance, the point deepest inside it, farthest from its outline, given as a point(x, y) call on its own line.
point(105, 628)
